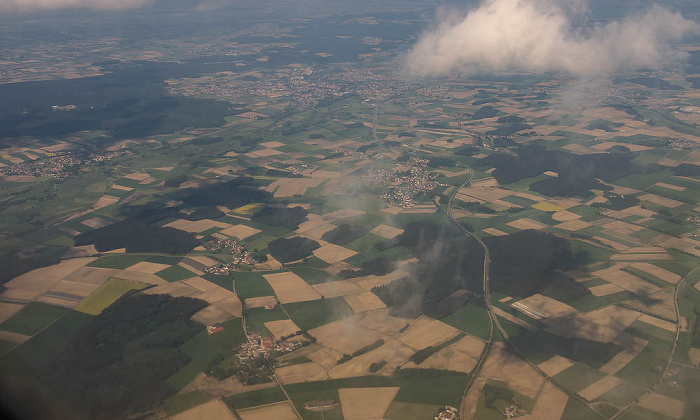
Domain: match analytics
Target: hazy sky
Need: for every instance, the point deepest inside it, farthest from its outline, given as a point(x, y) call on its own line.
point(537, 35)
point(30, 5)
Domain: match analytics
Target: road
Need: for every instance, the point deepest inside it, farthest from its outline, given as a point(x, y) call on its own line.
point(492, 316)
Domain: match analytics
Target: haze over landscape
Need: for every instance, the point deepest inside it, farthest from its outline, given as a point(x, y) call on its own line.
point(314, 209)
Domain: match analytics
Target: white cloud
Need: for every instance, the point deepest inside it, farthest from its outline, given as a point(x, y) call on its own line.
point(538, 36)
point(33, 5)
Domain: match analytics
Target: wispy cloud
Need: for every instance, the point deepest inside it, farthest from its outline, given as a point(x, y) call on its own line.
point(536, 35)
point(35, 5)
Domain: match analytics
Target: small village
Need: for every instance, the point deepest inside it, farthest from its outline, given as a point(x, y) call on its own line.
point(240, 253)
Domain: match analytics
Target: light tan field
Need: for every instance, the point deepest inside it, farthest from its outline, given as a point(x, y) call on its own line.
point(469, 345)
point(392, 351)
point(95, 222)
point(291, 288)
point(304, 372)
point(662, 201)
point(264, 153)
point(342, 214)
point(503, 365)
point(240, 231)
point(147, 267)
point(323, 356)
point(386, 231)
point(196, 226)
point(494, 232)
point(660, 303)
point(211, 292)
point(526, 223)
point(624, 228)
point(578, 327)
point(550, 307)
point(121, 187)
point(368, 282)
point(104, 201)
point(271, 144)
point(694, 356)
point(605, 289)
point(565, 216)
point(659, 272)
point(670, 186)
point(212, 410)
point(211, 315)
point(332, 253)
point(290, 187)
point(447, 359)
point(426, 332)
point(345, 336)
point(282, 328)
point(176, 289)
point(551, 403)
point(599, 387)
point(277, 411)
point(632, 347)
point(512, 318)
point(365, 301)
point(314, 221)
point(30, 285)
point(137, 176)
point(651, 320)
point(14, 337)
point(627, 281)
point(573, 225)
point(615, 317)
point(641, 257)
point(74, 288)
point(337, 288)
point(231, 304)
point(321, 174)
point(484, 193)
point(662, 404)
point(380, 320)
point(317, 233)
point(206, 261)
point(366, 403)
point(555, 365)
point(260, 302)
point(8, 309)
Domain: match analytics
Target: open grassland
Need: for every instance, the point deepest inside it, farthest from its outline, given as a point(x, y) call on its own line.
point(33, 318)
point(106, 294)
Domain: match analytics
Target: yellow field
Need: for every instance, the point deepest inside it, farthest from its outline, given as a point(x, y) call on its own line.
point(105, 295)
point(547, 207)
point(249, 209)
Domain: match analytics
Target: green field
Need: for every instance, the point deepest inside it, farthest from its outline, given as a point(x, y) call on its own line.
point(181, 402)
point(577, 377)
point(118, 261)
point(443, 390)
point(33, 318)
point(175, 273)
point(411, 411)
point(106, 294)
point(39, 351)
point(256, 318)
point(308, 315)
point(313, 275)
point(249, 284)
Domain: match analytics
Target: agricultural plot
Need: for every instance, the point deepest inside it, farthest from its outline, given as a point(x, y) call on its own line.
point(365, 403)
point(212, 410)
point(32, 318)
point(106, 294)
point(291, 288)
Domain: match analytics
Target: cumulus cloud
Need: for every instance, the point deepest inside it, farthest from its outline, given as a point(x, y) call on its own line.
point(536, 35)
point(33, 5)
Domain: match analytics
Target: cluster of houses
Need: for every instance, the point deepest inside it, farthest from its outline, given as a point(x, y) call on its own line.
point(448, 413)
point(258, 346)
point(240, 254)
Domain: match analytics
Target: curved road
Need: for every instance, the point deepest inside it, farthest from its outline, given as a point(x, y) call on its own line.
point(493, 317)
